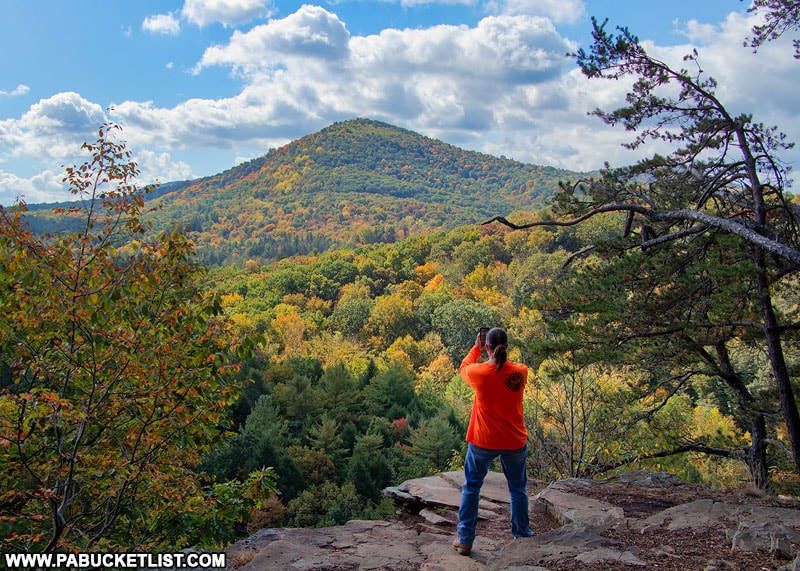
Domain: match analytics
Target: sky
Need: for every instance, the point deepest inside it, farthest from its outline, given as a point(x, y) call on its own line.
point(199, 86)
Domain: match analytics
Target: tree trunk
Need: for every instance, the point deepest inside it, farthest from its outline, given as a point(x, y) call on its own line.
point(778, 362)
point(757, 459)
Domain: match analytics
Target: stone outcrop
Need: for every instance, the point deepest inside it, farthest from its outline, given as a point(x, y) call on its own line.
point(639, 520)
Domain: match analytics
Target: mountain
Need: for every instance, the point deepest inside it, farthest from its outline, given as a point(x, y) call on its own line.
point(354, 182)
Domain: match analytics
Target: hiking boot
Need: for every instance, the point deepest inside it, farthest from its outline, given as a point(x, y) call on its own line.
point(461, 548)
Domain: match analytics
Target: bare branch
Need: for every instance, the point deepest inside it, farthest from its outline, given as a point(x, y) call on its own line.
point(689, 447)
point(685, 215)
point(577, 254)
point(674, 236)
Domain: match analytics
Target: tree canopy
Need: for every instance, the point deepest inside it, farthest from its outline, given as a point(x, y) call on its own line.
point(114, 369)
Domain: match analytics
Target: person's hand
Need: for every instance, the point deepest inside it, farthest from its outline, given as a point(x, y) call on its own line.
point(478, 341)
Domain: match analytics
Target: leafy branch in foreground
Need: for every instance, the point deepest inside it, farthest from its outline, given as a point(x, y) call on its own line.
point(113, 367)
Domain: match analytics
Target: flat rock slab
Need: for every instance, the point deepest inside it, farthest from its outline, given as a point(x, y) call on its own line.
point(361, 545)
point(494, 489)
point(434, 491)
point(570, 508)
point(355, 545)
point(444, 490)
point(705, 513)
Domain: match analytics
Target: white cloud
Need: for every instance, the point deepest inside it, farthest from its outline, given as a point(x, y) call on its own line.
point(164, 24)
point(53, 128)
point(160, 167)
point(52, 132)
point(763, 85)
point(508, 49)
point(45, 186)
point(306, 71)
point(311, 33)
point(548, 123)
point(503, 86)
point(16, 92)
point(307, 67)
point(227, 12)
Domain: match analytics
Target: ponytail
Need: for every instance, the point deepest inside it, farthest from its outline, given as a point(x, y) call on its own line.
point(500, 356)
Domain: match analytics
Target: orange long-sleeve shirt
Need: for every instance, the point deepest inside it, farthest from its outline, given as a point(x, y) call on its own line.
point(497, 420)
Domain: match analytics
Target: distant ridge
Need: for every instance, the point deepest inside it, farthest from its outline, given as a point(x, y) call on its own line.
point(354, 182)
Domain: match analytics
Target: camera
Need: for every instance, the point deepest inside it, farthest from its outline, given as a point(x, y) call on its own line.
point(482, 333)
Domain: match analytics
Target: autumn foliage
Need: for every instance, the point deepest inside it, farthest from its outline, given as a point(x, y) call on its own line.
point(111, 364)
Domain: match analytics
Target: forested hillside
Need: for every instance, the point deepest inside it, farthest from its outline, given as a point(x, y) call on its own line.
point(354, 182)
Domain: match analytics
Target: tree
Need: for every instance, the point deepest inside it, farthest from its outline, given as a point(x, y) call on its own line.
point(325, 505)
point(368, 469)
point(261, 443)
point(569, 398)
point(432, 444)
point(351, 316)
point(340, 395)
point(391, 394)
point(724, 179)
point(391, 316)
point(673, 313)
point(297, 402)
point(234, 506)
point(316, 466)
point(457, 323)
point(780, 16)
point(326, 437)
point(115, 364)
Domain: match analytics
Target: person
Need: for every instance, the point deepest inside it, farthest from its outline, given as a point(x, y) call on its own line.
point(496, 428)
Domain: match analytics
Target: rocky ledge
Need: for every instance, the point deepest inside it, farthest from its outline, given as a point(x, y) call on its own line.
point(636, 520)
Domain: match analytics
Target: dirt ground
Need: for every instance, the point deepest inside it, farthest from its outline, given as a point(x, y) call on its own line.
point(669, 550)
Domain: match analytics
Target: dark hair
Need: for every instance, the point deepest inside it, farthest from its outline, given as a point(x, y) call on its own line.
point(497, 340)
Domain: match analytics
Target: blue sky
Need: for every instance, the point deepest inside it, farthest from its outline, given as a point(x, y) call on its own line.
point(201, 85)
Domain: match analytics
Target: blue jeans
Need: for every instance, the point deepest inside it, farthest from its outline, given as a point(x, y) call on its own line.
point(476, 465)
